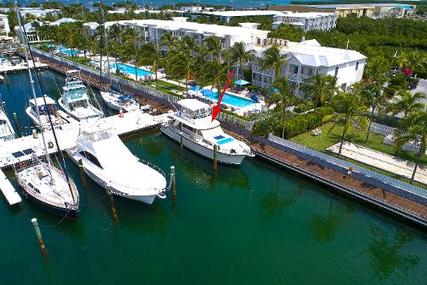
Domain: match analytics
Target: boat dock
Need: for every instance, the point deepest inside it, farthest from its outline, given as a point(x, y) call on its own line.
point(9, 192)
point(346, 184)
point(22, 149)
point(4, 68)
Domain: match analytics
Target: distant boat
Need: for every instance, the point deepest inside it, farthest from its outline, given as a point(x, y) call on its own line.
point(58, 117)
point(75, 100)
point(108, 162)
point(192, 125)
point(118, 101)
point(6, 129)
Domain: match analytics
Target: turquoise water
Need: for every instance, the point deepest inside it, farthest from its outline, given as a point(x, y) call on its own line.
point(254, 224)
point(229, 99)
point(128, 69)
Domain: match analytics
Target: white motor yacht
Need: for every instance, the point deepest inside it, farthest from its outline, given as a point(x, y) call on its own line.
point(58, 117)
point(192, 125)
point(75, 100)
point(107, 161)
point(118, 101)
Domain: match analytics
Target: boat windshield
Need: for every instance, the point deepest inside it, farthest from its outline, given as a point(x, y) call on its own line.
point(45, 109)
point(194, 114)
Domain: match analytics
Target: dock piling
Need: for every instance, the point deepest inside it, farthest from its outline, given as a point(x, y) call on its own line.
point(181, 142)
point(39, 236)
point(113, 207)
point(173, 182)
point(215, 161)
point(18, 126)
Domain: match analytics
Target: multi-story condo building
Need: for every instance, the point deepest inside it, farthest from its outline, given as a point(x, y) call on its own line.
point(154, 30)
point(307, 21)
point(372, 10)
point(306, 59)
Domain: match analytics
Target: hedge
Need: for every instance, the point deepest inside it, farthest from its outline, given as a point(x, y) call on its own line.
point(302, 122)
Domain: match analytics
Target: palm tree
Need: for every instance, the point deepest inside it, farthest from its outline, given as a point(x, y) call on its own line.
point(406, 103)
point(214, 47)
point(402, 60)
point(115, 34)
point(414, 130)
point(273, 60)
point(377, 70)
point(131, 42)
point(283, 98)
point(373, 97)
point(320, 88)
point(167, 41)
point(238, 54)
point(349, 112)
point(150, 56)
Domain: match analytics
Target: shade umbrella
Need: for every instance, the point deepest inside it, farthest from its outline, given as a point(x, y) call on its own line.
point(241, 82)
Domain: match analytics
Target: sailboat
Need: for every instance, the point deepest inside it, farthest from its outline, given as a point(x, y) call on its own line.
point(42, 182)
point(75, 99)
point(6, 130)
point(108, 162)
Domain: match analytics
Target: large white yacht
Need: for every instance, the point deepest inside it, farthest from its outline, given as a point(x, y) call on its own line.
point(107, 161)
point(58, 117)
point(75, 100)
point(192, 125)
point(6, 130)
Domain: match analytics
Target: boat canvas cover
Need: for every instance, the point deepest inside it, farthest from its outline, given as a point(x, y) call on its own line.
point(75, 95)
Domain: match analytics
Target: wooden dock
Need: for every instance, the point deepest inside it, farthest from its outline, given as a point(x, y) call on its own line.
point(22, 149)
point(346, 184)
point(12, 197)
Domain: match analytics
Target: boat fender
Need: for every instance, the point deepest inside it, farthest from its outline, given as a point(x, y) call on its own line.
point(50, 145)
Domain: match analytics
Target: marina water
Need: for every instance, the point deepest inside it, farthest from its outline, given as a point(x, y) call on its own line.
point(253, 224)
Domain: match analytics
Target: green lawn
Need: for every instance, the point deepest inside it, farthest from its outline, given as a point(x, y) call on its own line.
point(330, 137)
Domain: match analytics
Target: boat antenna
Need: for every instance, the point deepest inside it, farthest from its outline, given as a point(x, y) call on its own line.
point(27, 48)
point(30, 76)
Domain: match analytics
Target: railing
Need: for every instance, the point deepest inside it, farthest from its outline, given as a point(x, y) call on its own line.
point(390, 184)
point(138, 89)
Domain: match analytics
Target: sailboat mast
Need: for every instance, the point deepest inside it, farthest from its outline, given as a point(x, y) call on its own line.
point(18, 15)
point(52, 127)
point(105, 38)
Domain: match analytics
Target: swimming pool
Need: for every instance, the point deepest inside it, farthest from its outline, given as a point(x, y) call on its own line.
point(228, 99)
point(130, 70)
point(69, 52)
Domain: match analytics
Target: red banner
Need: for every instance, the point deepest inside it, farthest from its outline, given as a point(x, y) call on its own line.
point(217, 108)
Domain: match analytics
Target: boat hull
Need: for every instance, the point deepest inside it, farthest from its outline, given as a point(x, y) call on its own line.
point(148, 199)
point(58, 211)
point(225, 158)
point(72, 115)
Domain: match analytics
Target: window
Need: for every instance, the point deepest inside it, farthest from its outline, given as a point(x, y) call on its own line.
point(357, 65)
point(336, 71)
point(91, 158)
point(293, 69)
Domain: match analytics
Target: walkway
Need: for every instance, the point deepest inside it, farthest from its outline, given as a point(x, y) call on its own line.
point(381, 160)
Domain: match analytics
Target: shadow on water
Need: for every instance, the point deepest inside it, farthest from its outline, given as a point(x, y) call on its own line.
point(386, 253)
point(325, 226)
point(280, 197)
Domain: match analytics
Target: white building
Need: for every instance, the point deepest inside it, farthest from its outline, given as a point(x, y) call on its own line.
point(308, 58)
point(307, 21)
point(31, 31)
point(226, 16)
point(154, 30)
point(35, 12)
point(63, 21)
point(4, 25)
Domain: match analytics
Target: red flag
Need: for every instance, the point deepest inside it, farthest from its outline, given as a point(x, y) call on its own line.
point(217, 108)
